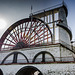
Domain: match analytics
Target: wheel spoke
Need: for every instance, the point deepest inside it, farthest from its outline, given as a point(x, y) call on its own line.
point(40, 38)
point(15, 34)
point(13, 38)
point(11, 41)
point(6, 44)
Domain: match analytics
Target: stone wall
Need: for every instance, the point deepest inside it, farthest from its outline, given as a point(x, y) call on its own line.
point(46, 69)
point(56, 52)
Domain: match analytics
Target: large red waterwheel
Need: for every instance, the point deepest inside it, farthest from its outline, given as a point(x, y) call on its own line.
point(26, 33)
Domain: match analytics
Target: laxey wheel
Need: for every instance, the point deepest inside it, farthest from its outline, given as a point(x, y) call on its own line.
point(26, 33)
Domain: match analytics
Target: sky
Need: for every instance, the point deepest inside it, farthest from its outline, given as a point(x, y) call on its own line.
point(13, 10)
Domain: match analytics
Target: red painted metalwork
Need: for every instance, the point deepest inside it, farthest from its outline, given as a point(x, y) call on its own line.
point(27, 31)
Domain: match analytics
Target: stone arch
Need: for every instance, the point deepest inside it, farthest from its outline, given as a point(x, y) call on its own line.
point(43, 58)
point(29, 70)
point(15, 57)
point(1, 73)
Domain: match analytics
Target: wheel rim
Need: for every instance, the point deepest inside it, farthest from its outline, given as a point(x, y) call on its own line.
point(27, 32)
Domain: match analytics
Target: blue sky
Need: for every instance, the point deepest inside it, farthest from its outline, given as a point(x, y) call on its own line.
point(14, 10)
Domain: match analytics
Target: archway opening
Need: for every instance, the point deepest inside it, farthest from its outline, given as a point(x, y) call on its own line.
point(1, 73)
point(29, 70)
point(43, 56)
